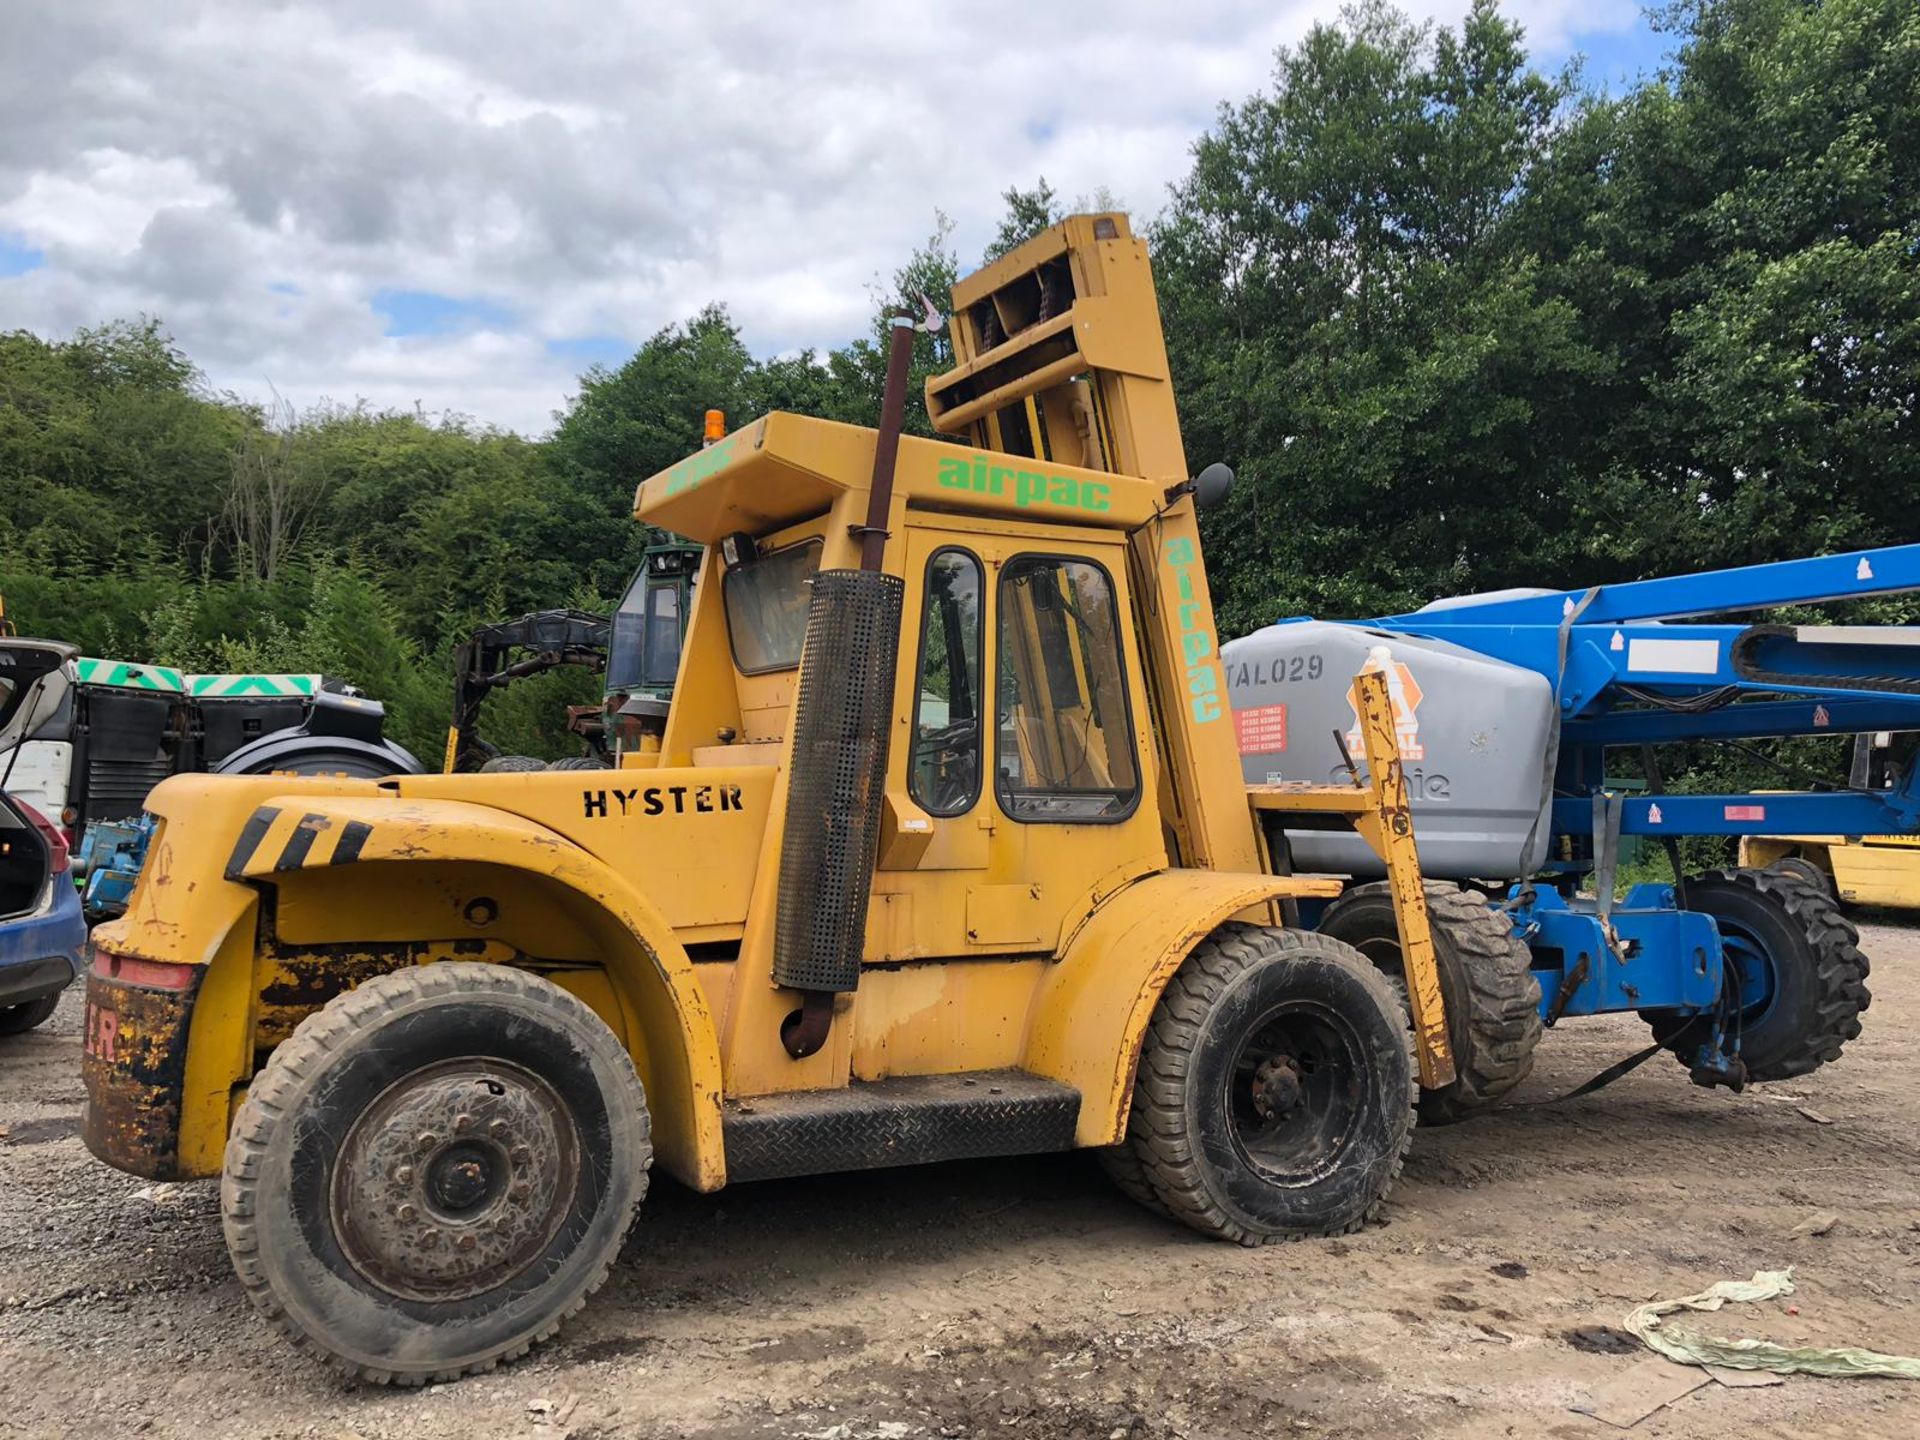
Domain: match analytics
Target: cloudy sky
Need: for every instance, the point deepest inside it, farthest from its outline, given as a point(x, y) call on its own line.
point(462, 203)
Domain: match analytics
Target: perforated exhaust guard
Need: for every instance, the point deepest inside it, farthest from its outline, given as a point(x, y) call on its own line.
point(842, 722)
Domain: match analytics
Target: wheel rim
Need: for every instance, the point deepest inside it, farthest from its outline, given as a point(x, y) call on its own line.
point(455, 1179)
point(1750, 969)
point(1296, 1093)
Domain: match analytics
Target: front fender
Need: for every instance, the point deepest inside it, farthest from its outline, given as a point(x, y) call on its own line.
point(1090, 1015)
point(678, 1051)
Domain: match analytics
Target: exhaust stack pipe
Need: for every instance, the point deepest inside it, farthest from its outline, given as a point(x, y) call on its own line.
point(842, 722)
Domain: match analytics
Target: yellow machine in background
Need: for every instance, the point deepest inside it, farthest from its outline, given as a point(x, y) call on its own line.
point(945, 853)
point(1859, 869)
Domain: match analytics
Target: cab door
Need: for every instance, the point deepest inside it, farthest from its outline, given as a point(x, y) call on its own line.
point(936, 842)
point(1019, 777)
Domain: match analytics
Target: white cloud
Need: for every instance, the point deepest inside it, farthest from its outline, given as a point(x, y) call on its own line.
point(587, 169)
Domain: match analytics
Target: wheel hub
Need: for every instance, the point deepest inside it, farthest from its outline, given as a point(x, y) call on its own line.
point(1296, 1093)
point(455, 1179)
point(461, 1177)
point(1276, 1087)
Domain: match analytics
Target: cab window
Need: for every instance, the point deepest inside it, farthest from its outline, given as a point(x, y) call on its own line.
point(628, 640)
point(944, 775)
point(1064, 750)
point(660, 651)
point(766, 604)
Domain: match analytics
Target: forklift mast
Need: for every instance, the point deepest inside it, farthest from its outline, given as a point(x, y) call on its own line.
point(1059, 355)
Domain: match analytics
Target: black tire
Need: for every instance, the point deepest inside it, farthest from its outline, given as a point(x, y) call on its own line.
point(1128, 1172)
point(1798, 867)
point(1486, 979)
point(512, 765)
point(580, 762)
point(1819, 975)
point(353, 1195)
point(1274, 1098)
point(18, 1019)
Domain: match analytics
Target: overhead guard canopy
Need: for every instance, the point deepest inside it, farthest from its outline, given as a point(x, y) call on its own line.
point(782, 469)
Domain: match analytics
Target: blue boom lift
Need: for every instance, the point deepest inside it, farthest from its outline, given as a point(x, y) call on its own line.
point(1742, 974)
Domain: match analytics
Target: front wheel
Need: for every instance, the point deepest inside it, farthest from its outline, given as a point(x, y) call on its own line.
point(434, 1171)
point(1274, 1098)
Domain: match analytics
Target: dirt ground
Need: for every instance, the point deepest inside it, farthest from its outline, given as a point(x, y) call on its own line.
point(1024, 1298)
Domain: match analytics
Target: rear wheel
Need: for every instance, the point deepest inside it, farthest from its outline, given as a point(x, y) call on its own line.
point(1274, 1098)
point(1125, 1168)
point(1802, 981)
point(18, 1019)
point(435, 1171)
point(1486, 979)
point(512, 765)
point(580, 762)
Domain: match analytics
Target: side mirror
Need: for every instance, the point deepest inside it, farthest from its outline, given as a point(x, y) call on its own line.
point(1211, 485)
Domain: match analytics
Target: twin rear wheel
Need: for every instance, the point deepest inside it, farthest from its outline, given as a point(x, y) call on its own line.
point(435, 1170)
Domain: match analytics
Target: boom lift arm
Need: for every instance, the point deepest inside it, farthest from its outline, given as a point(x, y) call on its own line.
point(1625, 675)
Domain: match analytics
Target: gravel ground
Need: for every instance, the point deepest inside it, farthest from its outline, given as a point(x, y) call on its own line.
point(1023, 1298)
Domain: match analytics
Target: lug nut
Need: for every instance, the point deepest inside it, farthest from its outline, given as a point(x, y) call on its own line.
point(461, 1122)
point(520, 1154)
point(430, 1239)
point(407, 1212)
point(404, 1174)
point(426, 1140)
point(497, 1128)
point(465, 1242)
point(519, 1191)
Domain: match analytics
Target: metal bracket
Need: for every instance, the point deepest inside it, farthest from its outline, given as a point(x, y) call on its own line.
point(1373, 702)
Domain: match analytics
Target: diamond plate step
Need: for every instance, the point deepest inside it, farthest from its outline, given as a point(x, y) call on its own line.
point(904, 1120)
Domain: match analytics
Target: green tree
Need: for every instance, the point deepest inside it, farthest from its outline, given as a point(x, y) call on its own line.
point(1349, 326)
point(1028, 213)
point(858, 371)
point(627, 424)
point(112, 456)
point(1738, 240)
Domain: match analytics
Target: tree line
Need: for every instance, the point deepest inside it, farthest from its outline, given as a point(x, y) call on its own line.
point(1458, 324)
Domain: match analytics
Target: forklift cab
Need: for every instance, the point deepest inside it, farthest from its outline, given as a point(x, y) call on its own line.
point(643, 649)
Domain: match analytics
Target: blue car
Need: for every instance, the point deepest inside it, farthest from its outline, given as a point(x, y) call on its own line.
point(43, 934)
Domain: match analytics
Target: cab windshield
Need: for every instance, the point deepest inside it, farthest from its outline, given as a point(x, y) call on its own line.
point(767, 608)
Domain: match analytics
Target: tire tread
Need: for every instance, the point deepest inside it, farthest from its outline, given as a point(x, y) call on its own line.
point(1839, 976)
point(269, 1103)
point(1158, 1145)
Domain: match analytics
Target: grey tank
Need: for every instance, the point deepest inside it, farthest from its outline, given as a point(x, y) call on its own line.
point(1475, 734)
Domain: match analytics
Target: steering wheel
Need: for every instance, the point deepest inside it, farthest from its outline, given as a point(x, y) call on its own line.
point(934, 749)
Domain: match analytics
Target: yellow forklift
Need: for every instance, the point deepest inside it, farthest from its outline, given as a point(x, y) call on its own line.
point(1853, 869)
point(945, 853)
